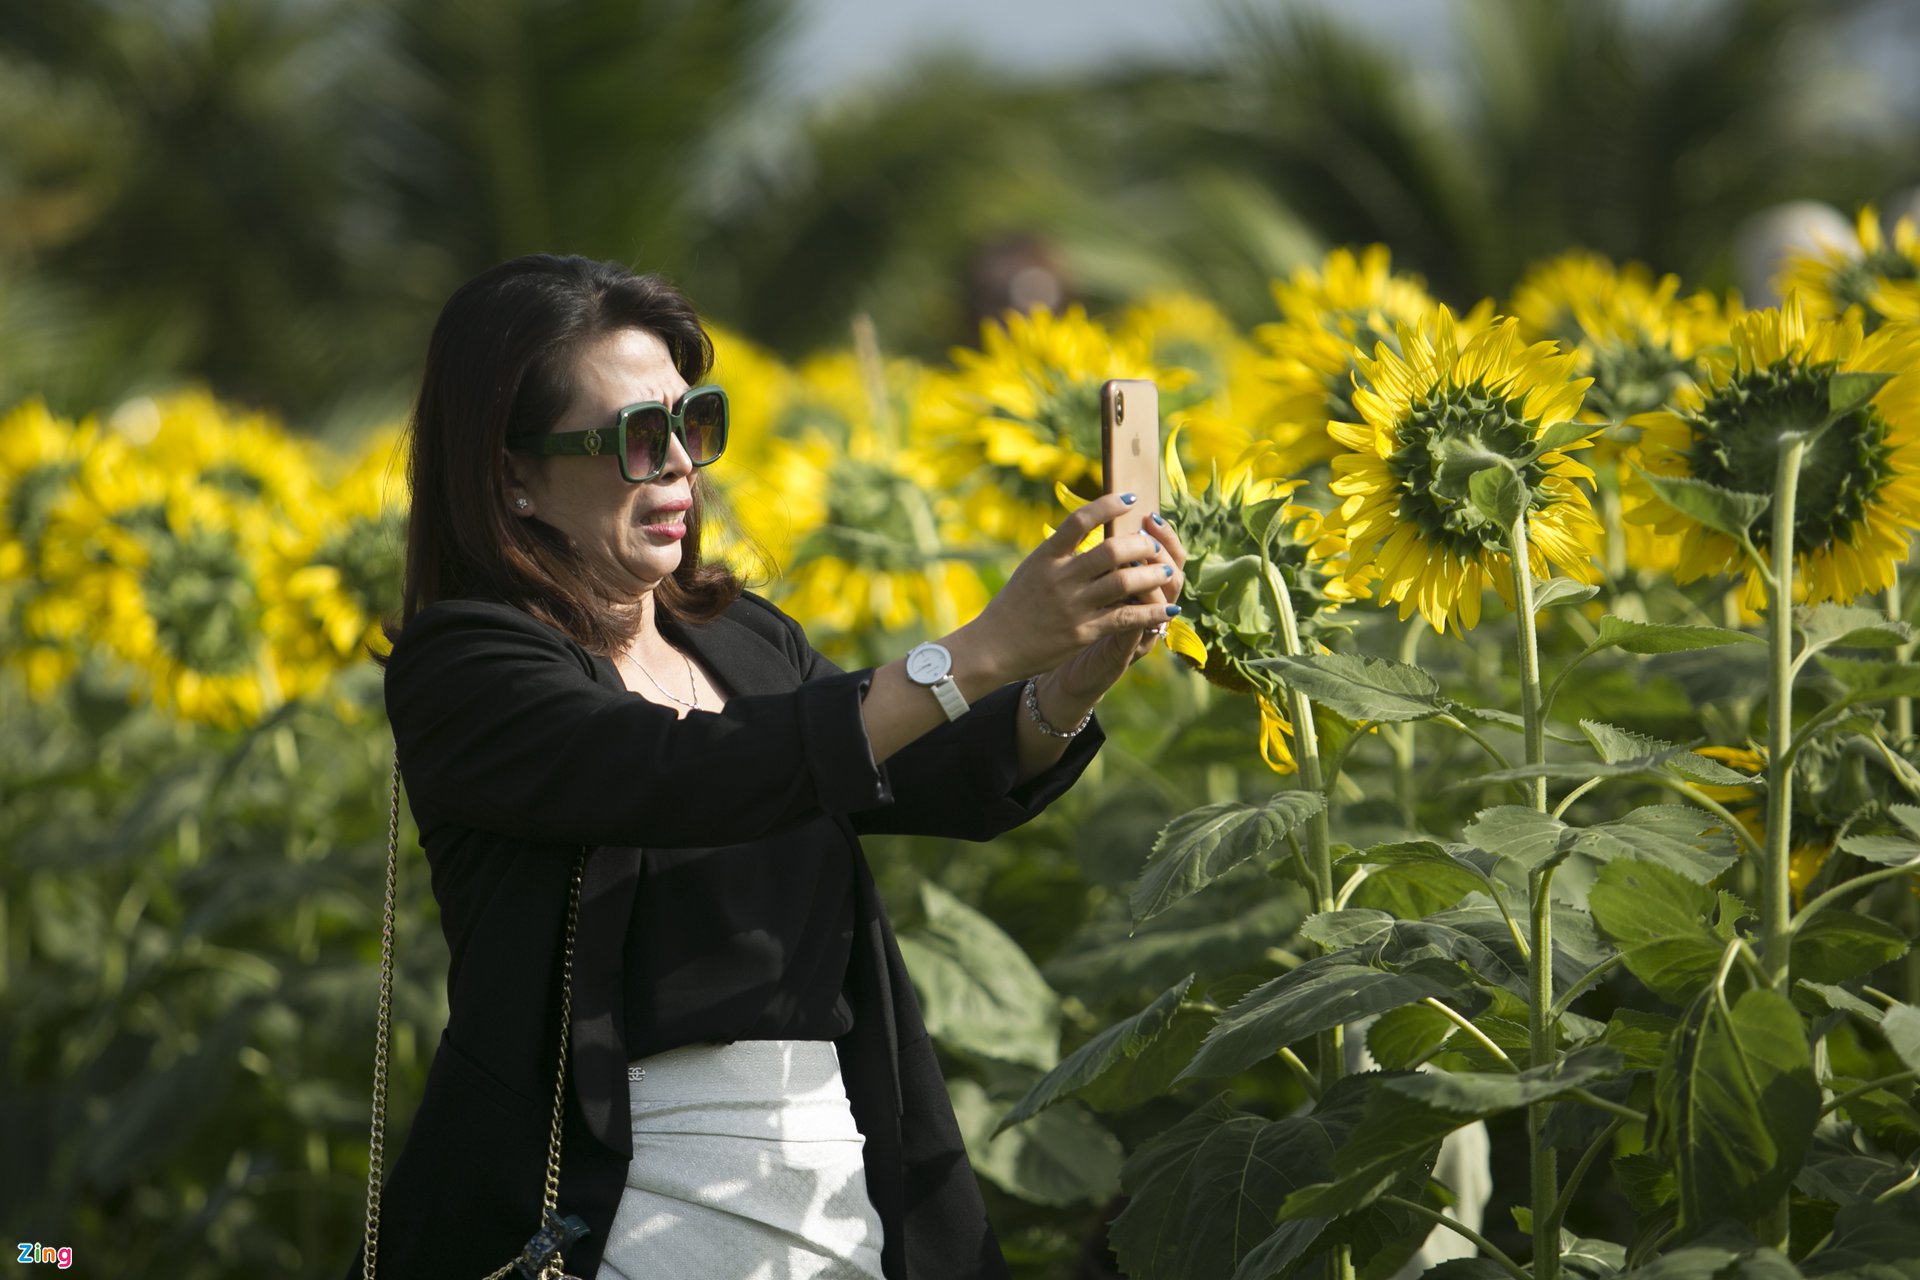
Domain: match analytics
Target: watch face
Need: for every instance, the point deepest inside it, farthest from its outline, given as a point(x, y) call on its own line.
point(928, 662)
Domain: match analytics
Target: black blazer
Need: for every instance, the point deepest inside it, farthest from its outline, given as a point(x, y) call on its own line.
point(520, 749)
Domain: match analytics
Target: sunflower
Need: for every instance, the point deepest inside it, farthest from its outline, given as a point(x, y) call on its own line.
point(338, 563)
point(864, 537)
point(1219, 412)
point(1022, 414)
point(760, 394)
point(1228, 620)
point(39, 455)
point(244, 461)
point(164, 574)
point(1638, 339)
point(1641, 343)
point(1881, 279)
point(1329, 319)
point(1858, 495)
point(1435, 413)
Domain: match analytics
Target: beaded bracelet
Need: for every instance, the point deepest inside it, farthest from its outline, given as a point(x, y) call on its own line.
point(1033, 710)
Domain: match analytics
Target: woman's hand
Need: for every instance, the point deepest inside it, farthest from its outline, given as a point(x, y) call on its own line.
point(1087, 675)
point(1092, 611)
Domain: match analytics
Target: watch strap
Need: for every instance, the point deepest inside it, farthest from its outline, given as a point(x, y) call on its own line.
point(952, 701)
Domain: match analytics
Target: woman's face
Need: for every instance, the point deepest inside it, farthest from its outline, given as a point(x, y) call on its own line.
point(636, 528)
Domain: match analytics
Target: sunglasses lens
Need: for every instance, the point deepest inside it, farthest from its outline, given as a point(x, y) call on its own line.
point(705, 418)
point(646, 441)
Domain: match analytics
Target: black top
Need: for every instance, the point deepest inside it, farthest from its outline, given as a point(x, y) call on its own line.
point(745, 942)
point(520, 752)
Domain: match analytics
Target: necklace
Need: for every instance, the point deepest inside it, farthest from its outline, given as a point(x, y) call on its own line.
point(693, 685)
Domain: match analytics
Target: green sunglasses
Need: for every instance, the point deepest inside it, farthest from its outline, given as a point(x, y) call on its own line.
point(640, 432)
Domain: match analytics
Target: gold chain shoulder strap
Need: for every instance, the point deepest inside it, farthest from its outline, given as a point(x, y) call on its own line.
point(542, 1254)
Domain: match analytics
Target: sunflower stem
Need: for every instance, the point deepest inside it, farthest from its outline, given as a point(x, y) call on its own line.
point(1902, 707)
point(1306, 742)
point(1403, 743)
point(1542, 1024)
point(1776, 889)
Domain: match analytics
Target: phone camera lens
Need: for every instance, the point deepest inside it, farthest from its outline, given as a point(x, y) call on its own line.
point(1119, 406)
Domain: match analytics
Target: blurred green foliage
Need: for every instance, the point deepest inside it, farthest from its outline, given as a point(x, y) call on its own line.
point(274, 196)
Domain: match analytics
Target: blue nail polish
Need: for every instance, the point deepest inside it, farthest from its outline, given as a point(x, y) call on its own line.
point(1168, 568)
point(1157, 519)
point(1173, 611)
point(1127, 498)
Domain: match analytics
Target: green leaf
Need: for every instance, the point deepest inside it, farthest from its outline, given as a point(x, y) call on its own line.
point(1104, 963)
point(1659, 920)
point(1841, 1000)
point(1837, 945)
point(1735, 1106)
point(1888, 851)
point(1849, 391)
point(1869, 681)
point(978, 989)
point(1846, 626)
point(1498, 493)
point(1435, 866)
point(1133, 1082)
point(1523, 836)
point(1408, 1113)
point(1617, 745)
point(1559, 436)
point(1639, 1037)
point(1400, 1039)
point(1202, 1194)
point(1871, 1242)
point(1665, 637)
point(1339, 930)
point(1119, 1043)
point(1325, 992)
point(1481, 1094)
point(1646, 1180)
point(1725, 510)
point(1901, 1026)
point(1678, 837)
point(1196, 848)
point(1558, 591)
point(1359, 687)
point(1064, 1157)
point(1718, 1261)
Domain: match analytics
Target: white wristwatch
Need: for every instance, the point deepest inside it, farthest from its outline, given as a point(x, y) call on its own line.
point(931, 665)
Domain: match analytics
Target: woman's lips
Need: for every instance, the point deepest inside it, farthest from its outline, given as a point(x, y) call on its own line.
point(667, 521)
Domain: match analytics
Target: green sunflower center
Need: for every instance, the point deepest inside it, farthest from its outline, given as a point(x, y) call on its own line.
point(202, 601)
point(1635, 377)
point(1364, 331)
point(876, 518)
point(1736, 445)
point(1447, 436)
point(32, 500)
point(366, 555)
point(1855, 280)
point(1068, 417)
point(231, 477)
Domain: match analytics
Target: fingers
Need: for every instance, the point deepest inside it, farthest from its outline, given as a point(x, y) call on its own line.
point(1132, 548)
point(1137, 617)
point(1085, 519)
point(1160, 529)
point(1148, 582)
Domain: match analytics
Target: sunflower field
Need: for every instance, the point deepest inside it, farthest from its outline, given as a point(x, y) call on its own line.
point(1511, 868)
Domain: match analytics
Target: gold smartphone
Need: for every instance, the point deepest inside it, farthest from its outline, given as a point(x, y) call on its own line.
point(1130, 448)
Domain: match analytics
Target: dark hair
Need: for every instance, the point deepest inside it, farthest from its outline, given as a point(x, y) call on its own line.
point(501, 362)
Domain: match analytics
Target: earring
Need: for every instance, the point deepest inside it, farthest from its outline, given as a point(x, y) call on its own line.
point(520, 503)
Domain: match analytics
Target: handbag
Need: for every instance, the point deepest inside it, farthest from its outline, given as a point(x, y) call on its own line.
point(540, 1260)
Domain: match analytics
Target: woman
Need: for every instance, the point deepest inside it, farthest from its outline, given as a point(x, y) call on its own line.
point(752, 1090)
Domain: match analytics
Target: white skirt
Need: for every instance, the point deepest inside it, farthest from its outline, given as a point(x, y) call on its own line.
point(746, 1166)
